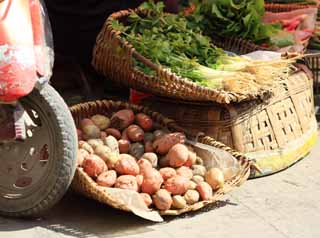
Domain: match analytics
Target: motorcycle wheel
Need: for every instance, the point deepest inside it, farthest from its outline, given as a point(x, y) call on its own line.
point(36, 173)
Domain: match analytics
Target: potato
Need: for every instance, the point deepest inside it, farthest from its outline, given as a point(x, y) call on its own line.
point(197, 179)
point(199, 170)
point(148, 136)
point(204, 190)
point(146, 198)
point(191, 159)
point(148, 146)
point(152, 158)
point(157, 134)
point(84, 145)
point(192, 185)
point(199, 161)
point(127, 182)
point(124, 146)
point(144, 166)
point(112, 143)
point(82, 153)
point(167, 173)
point(191, 197)
point(127, 165)
point(94, 143)
point(152, 181)
point(124, 135)
point(139, 179)
point(164, 162)
point(122, 119)
point(178, 202)
point(93, 165)
point(113, 132)
point(136, 150)
point(90, 132)
point(214, 177)
point(101, 121)
point(185, 172)
point(107, 178)
point(107, 155)
point(165, 143)
point(103, 135)
point(135, 133)
point(85, 122)
point(144, 121)
point(79, 134)
point(177, 185)
point(162, 199)
point(178, 155)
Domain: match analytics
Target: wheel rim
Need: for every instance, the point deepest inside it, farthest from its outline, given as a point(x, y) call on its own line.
point(26, 165)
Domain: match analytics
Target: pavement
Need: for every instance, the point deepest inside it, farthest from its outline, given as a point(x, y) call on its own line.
point(283, 205)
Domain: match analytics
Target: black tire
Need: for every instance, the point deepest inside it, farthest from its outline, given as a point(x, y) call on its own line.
point(63, 163)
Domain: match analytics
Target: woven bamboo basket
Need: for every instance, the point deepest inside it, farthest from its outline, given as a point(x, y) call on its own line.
point(275, 133)
point(114, 58)
point(85, 185)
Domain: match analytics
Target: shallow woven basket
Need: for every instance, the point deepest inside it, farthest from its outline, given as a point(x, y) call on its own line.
point(85, 185)
point(114, 58)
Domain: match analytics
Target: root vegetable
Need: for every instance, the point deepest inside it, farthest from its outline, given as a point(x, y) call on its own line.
point(94, 143)
point(162, 200)
point(197, 179)
point(164, 162)
point(191, 159)
point(124, 146)
point(214, 177)
point(107, 178)
point(185, 172)
point(152, 158)
point(101, 121)
point(127, 182)
point(90, 132)
point(82, 153)
point(84, 145)
point(139, 179)
point(144, 121)
point(192, 185)
point(166, 142)
point(112, 143)
point(146, 198)
point(127, 165)
point(199, 161)
point(204, 190)
point(135, 133)
point(157, 134)
point(167, 173)
point(107, 155)
point(199, 170)
point(103, 135)
point(148, 136)
point(191, 197)
point(122, 119)
point(144, 166)
point(136, 150)
point(177, 185)
point(113, 132)
point(79, 134)
point(152, 181)
point(85, 122)
point(124, 135)
point(178, 202)
point(148, 146)
point(93, 165)
point(178, 155)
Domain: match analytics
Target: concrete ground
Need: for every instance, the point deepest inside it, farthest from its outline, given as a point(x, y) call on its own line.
point(284, 205)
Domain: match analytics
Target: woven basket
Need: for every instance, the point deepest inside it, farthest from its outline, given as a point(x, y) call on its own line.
point(85, 185)
point(275, 133)
point(114, 57)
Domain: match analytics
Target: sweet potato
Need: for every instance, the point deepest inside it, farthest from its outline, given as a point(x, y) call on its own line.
point(112, 143)
point(101, 121)
point(113, 132)
point(94, 143)
point(214, 177)
point(144, 121)
point(152, 158)
point(199, 170)
point(157, 134)
point(79, 134)
point(135, 133)
point(204, 190)
point(127, 165)
point(167, 173)
point(197, 179)
point(139, 179)
point(148, 136)
point(162, 199)
point(124, 146)
point(152, 181)
point(122, 119)
point(148, 146)
point(192, 185)
point(136, 150)
point(185, 172)
point(93, 165)
point(164, 162)
point(82, 153)
point(84, 145)
point(107, 155)
point(178, 155)
point(144, 166)
point(177, 185)
point(107, 178)
point(146, 198)
point(191, 159)
point(166, 142)
point(178, 202)
point(191, 197)
point(127, 182)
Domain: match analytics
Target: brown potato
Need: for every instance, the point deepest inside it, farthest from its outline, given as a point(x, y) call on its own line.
point(124, 146)
point(135, 133)
point(90, 132)
point(178, 155)
point(148, 136)
point(113, 132)
point(166, 142)
point(177, 185)
point(157, 134)
point(204, 190)
point(144, 121)
point(85, 122)
point(127, 182)
point(107, 178)
point(93, 165)
point(103, 135)
point(178, 202)
point(101, 121)
point(162, 199)
point(127, 165)
point(148, 146)
point(122, 119)
point(191, 197)
point(152, 181)
point(152, 158)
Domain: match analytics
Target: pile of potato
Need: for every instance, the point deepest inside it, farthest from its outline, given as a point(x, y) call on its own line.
point(127, 151)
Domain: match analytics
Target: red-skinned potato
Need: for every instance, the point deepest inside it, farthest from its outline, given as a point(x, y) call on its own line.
point(124, 135)
point(191, 159)
point(122, 119)
point(166, 142)
point(85, 122)
point(177, 185)
point(178, 155)
point(148, 136)
point(185, 172)
point(164, 162)
point(127, 165)
point(127, 182)
point(107, 178)
point(146, 198)
point(152, 181)
point(135, 133)
point(167, 173)
point(204, 190)
point(148, 147)
point(94, 143)
point(103, 135)
point(157, 134)
point(124, 146)
point(93, 165)
point(101, 121)
point(162, 199)
point(79, 134)
point(82, 153)
point(144, 121)
point(113, 132)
